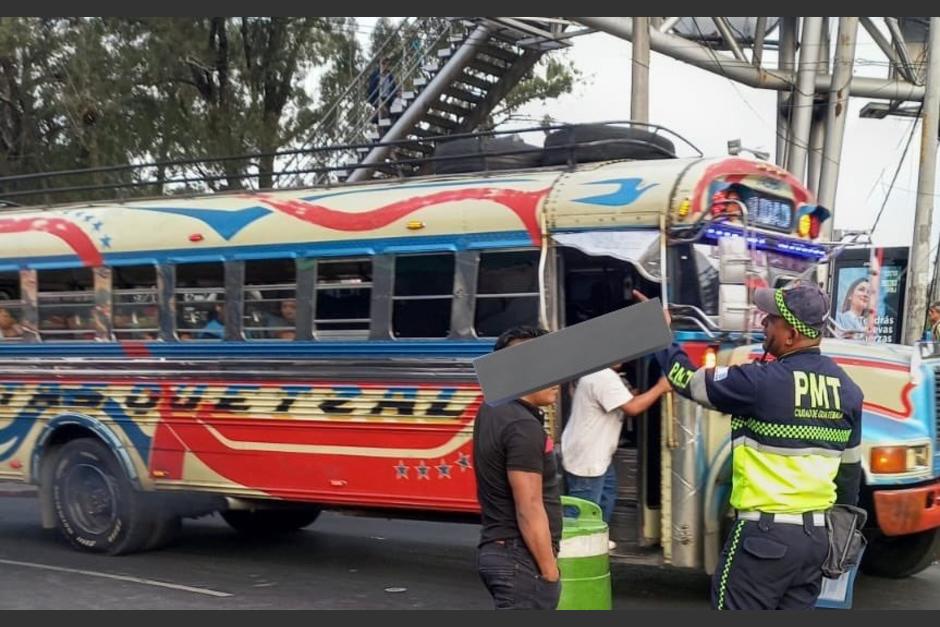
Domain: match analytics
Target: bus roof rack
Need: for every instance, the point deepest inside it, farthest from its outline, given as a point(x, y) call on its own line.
point(570, 145)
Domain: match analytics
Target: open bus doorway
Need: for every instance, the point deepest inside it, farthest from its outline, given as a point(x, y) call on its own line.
point(591, 286)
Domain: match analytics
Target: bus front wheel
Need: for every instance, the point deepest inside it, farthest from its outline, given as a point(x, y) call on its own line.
point(897, 557)
point(96, 507)
point(269, 522)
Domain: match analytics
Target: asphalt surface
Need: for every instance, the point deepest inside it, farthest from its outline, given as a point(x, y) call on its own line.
point(340, 562)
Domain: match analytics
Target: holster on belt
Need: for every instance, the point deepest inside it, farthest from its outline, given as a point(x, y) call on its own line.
point(844, 525)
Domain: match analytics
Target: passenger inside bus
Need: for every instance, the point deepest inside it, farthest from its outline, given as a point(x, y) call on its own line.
point(9, 326)
point(282, 326)
point(214, 328)
point(137, 321)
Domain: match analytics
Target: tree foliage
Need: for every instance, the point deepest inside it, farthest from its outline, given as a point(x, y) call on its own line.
point(81, 93)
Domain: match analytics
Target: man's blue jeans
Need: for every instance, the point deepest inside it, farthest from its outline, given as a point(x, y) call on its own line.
point(510, 573)
point(601, 490)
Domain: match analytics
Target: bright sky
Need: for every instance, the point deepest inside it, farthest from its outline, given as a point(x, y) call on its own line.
point(709, 110)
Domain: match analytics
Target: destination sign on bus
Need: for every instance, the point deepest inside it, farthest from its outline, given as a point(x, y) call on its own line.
point(770, 212)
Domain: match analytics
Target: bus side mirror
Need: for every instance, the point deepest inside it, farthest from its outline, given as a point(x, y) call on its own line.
point(734, 312)
point(733, 259)
point(733, 306)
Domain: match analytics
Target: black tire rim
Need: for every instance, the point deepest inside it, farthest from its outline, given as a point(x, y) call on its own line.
point(91, 499)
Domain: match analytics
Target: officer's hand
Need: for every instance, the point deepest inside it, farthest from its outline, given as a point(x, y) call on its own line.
point(640, 296)
point(663, 385)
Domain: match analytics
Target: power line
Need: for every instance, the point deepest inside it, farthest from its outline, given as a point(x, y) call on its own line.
point(897, 170)
point(737, 91)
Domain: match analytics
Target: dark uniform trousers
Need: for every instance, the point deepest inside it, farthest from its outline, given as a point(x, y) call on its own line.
point(768, 565)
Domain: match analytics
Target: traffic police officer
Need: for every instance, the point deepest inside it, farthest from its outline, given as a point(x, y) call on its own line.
point(796, 434)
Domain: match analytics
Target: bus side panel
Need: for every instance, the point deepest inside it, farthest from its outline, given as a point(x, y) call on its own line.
point(33, 414)
point(368, 444)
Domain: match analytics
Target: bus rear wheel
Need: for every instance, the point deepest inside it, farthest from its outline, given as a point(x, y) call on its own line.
point(897, 557)
point(270, 522)
point(96, 507)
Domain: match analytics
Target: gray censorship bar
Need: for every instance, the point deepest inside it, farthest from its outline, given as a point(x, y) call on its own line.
point(573, 352)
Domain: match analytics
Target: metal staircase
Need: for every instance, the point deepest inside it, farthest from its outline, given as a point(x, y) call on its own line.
point(451, 77)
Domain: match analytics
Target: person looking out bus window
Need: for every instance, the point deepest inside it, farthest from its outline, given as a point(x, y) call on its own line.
point(796, 432)
point(518, 491)
point(9, 327)
point(287, 318)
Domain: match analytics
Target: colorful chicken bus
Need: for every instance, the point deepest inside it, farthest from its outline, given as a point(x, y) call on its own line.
point(267, 355)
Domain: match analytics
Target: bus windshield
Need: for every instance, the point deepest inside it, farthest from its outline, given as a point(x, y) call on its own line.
point(694, 275)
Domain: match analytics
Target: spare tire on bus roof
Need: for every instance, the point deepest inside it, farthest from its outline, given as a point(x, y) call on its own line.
point(501, 153)
point(633, 143)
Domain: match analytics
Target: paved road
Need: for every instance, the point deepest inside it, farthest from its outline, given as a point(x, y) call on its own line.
point(340, 562)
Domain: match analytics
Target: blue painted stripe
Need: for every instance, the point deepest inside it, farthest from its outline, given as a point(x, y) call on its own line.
point(356, 247)
point(260, 349)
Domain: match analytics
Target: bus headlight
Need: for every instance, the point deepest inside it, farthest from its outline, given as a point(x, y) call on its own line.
point(888, 460)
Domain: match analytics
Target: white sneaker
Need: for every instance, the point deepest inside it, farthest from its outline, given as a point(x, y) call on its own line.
point(611, 545)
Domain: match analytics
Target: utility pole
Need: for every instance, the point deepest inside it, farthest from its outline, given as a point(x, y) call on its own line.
point(786, 61)
point(640, 77)
point(817, 131)
point(837, 109)
point(918, 269)
point(801, 103)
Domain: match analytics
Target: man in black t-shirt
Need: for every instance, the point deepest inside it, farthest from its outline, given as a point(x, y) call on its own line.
point(517, 486)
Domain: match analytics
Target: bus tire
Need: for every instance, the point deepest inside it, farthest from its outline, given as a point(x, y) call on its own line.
point(269, 522)
point(897, 557)
point(166, 530)
point(96, 507)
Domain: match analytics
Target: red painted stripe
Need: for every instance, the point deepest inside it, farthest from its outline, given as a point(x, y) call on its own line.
point(64, 229)
point(737, 169)
point(135, 349)
point(523, 204)
point(856, 361)
point(337, 431)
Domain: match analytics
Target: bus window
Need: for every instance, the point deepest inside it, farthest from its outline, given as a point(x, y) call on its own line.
point(11, 306)
point(424, 289)
point(343, 298)
point(270, 299)
point(66, 301)
point(136, 305)
point(200, 301)
point(507, 292)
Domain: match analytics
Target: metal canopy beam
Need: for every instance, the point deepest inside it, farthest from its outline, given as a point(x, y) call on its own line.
point(886, 47)
point(757, 54)
point(668, 23)
point(906, 64)
point(745, 73)
point(728, 35)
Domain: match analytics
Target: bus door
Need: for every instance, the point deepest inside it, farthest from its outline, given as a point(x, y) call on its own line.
point(591, 285)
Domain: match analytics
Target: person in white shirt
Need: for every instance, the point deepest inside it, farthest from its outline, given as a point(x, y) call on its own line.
point(590, 438)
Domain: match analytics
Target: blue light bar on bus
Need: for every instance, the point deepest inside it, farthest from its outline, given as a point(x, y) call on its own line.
point(764, 241)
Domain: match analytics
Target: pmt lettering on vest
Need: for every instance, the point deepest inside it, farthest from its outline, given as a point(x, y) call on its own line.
point(821, 391)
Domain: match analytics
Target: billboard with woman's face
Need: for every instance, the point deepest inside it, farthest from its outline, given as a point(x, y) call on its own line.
point(868, 294)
